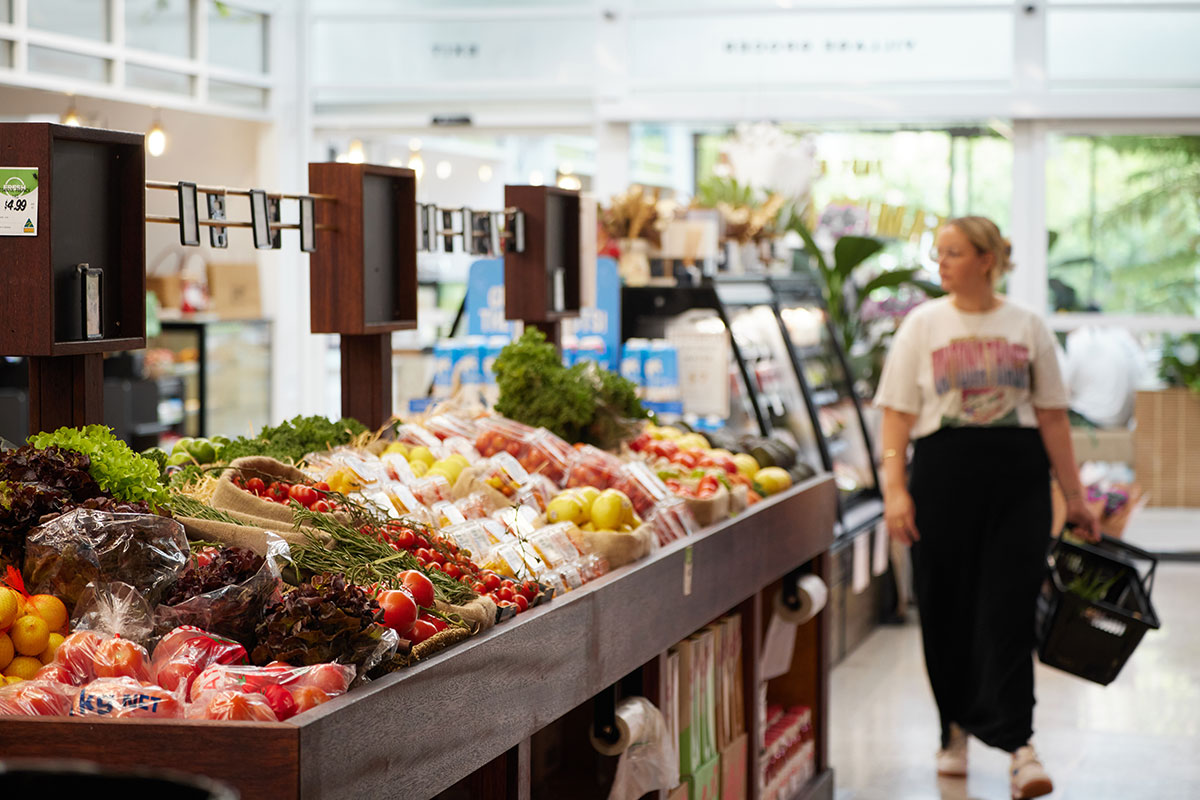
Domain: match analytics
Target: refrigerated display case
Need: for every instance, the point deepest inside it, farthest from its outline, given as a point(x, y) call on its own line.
point(789, 377)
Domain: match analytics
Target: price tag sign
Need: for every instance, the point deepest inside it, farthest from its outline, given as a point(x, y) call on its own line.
point(687, 571)
point(18, 201)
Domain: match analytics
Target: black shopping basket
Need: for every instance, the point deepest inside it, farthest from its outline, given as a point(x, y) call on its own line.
point(1094, 607)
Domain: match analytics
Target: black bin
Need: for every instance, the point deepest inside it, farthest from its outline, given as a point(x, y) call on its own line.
point(1094, 607)
point(67, 778)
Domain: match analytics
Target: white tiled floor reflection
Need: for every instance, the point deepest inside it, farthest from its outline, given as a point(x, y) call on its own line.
point(1136, 739)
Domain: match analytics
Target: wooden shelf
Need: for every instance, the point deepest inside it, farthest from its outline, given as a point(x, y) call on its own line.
point(419, 731)
point(819, 787)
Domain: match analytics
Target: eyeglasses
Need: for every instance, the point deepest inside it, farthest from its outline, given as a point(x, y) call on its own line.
point(936, 255)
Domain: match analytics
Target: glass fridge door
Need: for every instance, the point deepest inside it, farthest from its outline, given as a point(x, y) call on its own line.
point(832, 396)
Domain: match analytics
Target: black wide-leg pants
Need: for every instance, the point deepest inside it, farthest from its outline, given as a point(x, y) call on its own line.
point(982, 498)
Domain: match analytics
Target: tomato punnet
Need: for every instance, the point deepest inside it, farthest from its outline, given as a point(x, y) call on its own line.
point(419, 586)
point(421, 630)
point(399, 610)
point(255, 485)
point(520, 602)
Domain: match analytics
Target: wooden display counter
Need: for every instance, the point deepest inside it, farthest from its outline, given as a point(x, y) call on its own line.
point(467, 714)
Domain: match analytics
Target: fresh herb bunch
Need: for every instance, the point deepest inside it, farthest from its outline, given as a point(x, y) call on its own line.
point(117, 469)
point(365, 560)
point(326, 619)
point(34, 483)
point(581, 404)
point(292, 440)
point(183, 506)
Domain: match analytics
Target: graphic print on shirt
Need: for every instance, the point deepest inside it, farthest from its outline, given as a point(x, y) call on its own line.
point(987, 375)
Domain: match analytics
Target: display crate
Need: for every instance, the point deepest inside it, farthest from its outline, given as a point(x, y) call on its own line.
point(467, 714)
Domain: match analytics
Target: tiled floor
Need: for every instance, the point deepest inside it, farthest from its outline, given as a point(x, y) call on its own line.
point(1165, 530)
point(1136, 739)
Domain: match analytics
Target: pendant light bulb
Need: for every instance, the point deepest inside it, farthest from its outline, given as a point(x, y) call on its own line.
point(356, 155)
point(156, 140)
point(72, 117)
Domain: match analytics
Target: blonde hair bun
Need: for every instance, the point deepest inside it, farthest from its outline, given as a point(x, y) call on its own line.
point(985, 236)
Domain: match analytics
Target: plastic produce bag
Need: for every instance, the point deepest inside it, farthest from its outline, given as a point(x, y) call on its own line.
point(648, 760)
point(36, 698)
point(186, 652)
point(85, 656)
point(332, 679)
point(112, 610)
point(233, 610)
point(125, 698)
point(83, 546)
point(232, 705)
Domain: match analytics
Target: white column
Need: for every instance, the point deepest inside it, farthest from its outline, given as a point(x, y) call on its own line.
point(1028, 282)
point(612, 160)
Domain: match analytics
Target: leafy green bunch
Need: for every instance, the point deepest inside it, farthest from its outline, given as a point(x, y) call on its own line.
point(581, 403)
point(1180, 364)
point(292, 440)
point(117, 469)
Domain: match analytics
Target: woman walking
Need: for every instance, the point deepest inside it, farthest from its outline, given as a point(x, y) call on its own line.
point(973, 382)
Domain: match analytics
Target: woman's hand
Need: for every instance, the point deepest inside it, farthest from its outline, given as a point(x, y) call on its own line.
point(899, 514)
point(1080, 517)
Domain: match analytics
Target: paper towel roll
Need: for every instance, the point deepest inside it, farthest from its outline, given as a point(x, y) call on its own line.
point(812, 593)
point(648, 759)
point(625, 736)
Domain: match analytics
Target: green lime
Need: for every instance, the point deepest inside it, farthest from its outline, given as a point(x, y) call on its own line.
point(178, 459)
point(202, 450)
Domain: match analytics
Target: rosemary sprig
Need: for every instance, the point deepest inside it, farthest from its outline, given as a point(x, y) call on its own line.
point(181, 505)
point(363, 559)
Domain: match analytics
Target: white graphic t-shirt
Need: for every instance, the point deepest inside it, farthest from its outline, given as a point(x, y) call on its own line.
point(957, 368)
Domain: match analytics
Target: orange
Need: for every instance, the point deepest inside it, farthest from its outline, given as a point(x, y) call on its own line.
point(6, 651)
point(23, 667)
point(10, 607)
point(47, 655)
point(30, 634)
point(49, 608)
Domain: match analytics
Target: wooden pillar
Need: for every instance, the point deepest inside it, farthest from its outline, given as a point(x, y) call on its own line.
point(553, 331)
point(367, 378)
point(751, 611)
point(65, 391)
point(506, 777)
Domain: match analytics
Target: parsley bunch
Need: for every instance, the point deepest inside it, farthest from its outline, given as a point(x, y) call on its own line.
point(292, 440)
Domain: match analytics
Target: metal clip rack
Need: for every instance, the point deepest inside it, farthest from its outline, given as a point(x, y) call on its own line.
point(264, 215)
point(483, 233)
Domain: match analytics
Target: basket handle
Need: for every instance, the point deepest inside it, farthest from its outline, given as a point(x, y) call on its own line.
point(1132, 549)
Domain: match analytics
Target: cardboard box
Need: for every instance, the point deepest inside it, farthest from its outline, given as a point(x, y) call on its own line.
point(705, 782)
point(168, 289)
point(234, 291)
point(680, 792)
point(733, 770)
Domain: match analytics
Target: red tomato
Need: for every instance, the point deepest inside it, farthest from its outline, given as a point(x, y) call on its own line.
point(307, 697)
point(422, 542)
point(423, 554)
point(513, 448)
point(303, 495)
point(280, 700)
point(232, 704)
point(520, 602)
point(255, 485)
point(479, 588)
point(687, 459)
point(419, 586)
point(205, 556)
point(530, 590)
point(452, 570)
point(438, 623)
point(405, 539)
point(322, 486)
point(399, 610)
point(322, 507)
point(421, 630)
point(639, 442)
point(329, 678)
point(508, 584)
point(504, 593)
point(491, 581)
point(118, 658)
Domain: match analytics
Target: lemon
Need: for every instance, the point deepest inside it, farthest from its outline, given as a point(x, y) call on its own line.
point(746, 464)
point(460, 459)
point(450, 467)
point(609, 509)
point(565, 508)
point(692, 441)
point(10, 607)
point(30, 634)
point(670, 433)
point(587, 495)
point(23, 667)
point(773, 479)
point(6, 651)
point(47, 655)
point(396, 447)
point(421, 453)
point(419, 468)
point(49, 608)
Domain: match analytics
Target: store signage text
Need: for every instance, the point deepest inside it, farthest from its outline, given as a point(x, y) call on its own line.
point(456, 50)
point(776, 46)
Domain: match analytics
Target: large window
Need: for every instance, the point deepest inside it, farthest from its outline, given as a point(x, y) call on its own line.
point(1124, 223)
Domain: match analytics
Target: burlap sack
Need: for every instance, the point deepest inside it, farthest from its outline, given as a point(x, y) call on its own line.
point(470, 481)
point(479, 614)
point(229, 497)
point(249, 536)
point(709, 510)
point(439, 641)
point(617, 548)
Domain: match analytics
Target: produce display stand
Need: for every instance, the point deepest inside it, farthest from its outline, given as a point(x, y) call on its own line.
point(541, 280)
point(466, 715)
point(75, 279)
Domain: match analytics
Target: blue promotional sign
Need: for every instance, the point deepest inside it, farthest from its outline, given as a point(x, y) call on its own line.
point(603, 322)
point(485, 300)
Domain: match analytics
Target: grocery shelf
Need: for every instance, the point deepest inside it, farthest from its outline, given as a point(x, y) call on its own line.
point(419, 731)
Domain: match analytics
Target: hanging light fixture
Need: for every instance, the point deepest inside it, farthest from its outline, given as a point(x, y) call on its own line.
point(444, 169)
point(417, 165)
point(156, 139)
point(356, 155)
